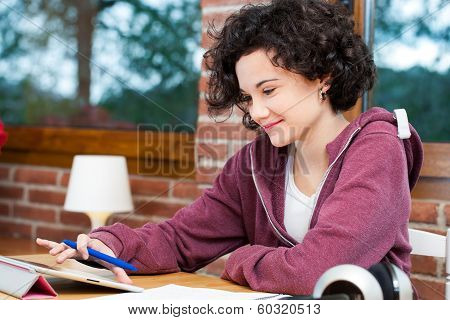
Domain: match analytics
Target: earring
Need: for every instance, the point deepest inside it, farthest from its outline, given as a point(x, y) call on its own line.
point(322, 95)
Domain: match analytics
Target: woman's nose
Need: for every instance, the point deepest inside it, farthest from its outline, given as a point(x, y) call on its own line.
point(258, 111)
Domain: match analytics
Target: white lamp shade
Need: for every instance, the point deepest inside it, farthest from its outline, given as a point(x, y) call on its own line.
point(99, 184)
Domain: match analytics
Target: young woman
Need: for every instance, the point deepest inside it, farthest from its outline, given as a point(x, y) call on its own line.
point(312, 190)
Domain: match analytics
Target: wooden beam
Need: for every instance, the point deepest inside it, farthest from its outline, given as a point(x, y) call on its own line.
point(168, 154)
point(432, 188)
point(436, 160)
point(358, 16)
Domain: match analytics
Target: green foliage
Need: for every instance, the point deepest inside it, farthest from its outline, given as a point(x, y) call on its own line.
point(24, 103)
point(11, 108)
point(147, 107)
point(162, 41)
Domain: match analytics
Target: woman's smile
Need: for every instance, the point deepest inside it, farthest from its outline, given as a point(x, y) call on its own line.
point(271, 125)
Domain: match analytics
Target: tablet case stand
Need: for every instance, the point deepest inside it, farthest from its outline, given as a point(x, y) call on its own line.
point(24, 283)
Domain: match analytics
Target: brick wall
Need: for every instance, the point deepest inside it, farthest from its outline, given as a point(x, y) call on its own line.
point(31, 197)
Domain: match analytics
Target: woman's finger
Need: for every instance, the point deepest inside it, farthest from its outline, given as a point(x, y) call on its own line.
point(60, 247)
point(121, 275)
point(82, 245)
point(67, 254)
point(101, 247)
point(46, 243)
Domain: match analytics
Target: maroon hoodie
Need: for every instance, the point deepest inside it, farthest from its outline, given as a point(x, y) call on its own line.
point(360, 216)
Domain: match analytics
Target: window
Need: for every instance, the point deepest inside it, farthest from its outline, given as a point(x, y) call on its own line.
point(411, 51)
point(102, 64)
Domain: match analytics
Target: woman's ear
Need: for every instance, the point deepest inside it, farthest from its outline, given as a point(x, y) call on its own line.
point(325, 83)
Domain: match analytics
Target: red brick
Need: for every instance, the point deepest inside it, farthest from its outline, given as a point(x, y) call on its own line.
point(206, 175)
point(75, 218)
point(189, 190)
point(212, 150)
point(447, 213)
point(4, 209)
point(13, 229)
point(207, 42)
point(202, 107)
point(215, 18)
point(4, 173)
point(34, 213)
point(429, 290)
point(156, 208)
point(58, 233)
point(149, 186)
point(225, 130)
point(35, 176)
point(203, 67)
point(65, 179)
point(423, 212)
point(424, 265)
point(48, 197)
point(432, 188)
point(11, 192)
point(203, 84)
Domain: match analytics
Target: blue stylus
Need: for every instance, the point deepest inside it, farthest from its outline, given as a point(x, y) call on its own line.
point(104, 257)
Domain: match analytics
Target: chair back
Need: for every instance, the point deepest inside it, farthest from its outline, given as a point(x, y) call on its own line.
point(430, 244)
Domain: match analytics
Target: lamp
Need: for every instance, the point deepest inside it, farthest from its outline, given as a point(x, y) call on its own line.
point(98, 186)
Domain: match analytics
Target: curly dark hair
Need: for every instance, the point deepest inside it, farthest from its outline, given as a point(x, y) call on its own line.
point(309, 37)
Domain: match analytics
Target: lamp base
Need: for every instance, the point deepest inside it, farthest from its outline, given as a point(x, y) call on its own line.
point(98, 219)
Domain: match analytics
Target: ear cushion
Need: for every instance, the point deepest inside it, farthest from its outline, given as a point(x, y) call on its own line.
point(352, 280)
point(383, 274)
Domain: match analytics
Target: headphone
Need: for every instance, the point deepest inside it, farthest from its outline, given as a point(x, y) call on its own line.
point(382, 281)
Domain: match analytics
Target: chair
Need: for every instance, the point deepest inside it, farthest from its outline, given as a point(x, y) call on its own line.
point(429, 244)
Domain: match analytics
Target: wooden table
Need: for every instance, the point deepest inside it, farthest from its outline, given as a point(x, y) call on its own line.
point(73, 290)
point(12, 246)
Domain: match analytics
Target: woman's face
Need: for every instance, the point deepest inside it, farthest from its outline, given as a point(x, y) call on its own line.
point(285, 104)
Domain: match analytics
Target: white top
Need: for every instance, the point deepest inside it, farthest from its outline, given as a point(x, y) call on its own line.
point(298, 207)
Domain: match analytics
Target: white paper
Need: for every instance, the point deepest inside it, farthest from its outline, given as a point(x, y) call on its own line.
point(176, 292)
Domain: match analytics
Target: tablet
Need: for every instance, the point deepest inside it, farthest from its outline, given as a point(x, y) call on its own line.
point(59, 271)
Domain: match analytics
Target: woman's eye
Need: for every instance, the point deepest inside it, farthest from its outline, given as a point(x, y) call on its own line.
point(246, 98)
point(268, 91)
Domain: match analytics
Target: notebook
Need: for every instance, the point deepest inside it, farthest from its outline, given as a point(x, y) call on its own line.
point(176, 292)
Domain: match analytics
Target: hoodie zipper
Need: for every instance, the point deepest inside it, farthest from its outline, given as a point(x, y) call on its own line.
point(328, 171)
point(264, 205)
point(317, 196)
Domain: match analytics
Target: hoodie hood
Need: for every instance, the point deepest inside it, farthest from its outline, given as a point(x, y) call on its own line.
point(384, 121)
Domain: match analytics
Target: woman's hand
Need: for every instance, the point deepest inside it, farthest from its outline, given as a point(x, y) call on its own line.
point(83, 242)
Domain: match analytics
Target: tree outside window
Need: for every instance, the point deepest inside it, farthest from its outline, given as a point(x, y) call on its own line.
point(100, 63)
point(411, 50)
